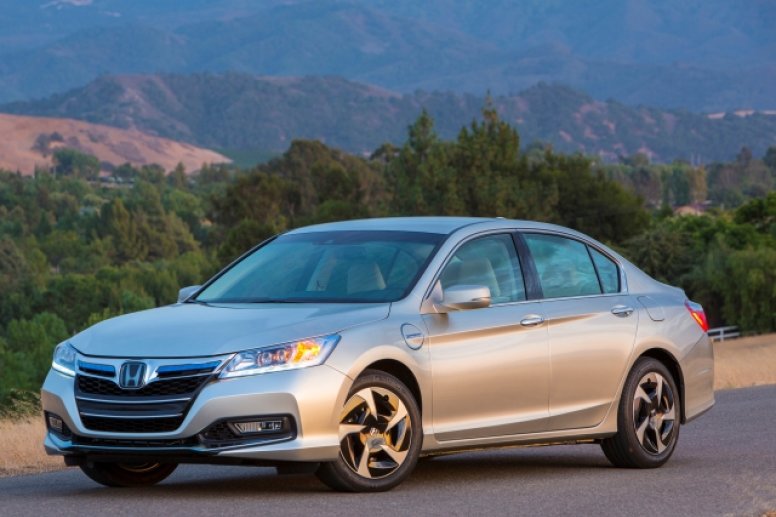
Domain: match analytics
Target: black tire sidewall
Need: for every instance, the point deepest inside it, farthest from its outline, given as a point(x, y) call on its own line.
point(114, 475)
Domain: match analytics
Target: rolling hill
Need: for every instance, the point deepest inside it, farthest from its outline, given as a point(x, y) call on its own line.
point(244, 112)
point(28, 142)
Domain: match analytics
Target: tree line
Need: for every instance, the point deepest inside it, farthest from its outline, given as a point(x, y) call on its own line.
point(75, 251)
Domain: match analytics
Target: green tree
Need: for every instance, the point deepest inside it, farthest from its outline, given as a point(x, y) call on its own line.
point(26, 356)
point(422, 176)
point(70, 162)
point(122, 228)
point(770, 158)
point(750, 289)
point(243, 237)
point(177, 178)
point(487, 167)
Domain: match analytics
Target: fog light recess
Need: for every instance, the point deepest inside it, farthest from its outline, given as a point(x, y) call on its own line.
point(56, 425)
point(259, 426)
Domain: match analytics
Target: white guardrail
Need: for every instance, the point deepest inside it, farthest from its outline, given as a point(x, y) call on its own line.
point(723, 333)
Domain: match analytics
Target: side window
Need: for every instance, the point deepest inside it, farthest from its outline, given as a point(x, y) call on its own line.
point(607, 272)
point(490, 261)
point(564, 266)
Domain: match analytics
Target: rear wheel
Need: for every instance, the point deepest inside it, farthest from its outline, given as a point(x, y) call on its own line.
point(127, 474)
point(380, 436)
point(648, 418)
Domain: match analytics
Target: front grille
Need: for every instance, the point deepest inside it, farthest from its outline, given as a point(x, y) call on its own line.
point(160, 388)
point(158, 407)
point(132, 425)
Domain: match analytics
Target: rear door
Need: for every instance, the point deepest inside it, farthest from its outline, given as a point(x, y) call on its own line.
point(591, 324)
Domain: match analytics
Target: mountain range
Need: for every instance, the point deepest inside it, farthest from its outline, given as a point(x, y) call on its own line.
point(240, 112)
point(701, 55)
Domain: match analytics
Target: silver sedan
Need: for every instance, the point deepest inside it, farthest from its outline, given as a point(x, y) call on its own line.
point(358, 347)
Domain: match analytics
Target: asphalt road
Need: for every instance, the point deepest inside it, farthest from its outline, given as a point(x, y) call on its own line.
point(725, 464)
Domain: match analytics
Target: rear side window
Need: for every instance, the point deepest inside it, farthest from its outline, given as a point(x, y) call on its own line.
point(564, 266)
point(607, 272)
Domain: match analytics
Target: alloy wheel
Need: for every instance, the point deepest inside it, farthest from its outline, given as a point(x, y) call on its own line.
point(375, 432)
point(654, 413)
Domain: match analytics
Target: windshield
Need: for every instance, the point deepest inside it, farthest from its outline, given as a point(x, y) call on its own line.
point(333, 267)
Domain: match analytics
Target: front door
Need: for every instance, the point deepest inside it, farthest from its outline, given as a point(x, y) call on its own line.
point(490, 366)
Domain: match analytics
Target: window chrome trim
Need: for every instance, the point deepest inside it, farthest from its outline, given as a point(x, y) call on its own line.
point(508, 231)
point(623, 278)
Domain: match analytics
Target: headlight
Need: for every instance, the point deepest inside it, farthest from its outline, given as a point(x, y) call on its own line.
point(64, 359)
point(299, 354)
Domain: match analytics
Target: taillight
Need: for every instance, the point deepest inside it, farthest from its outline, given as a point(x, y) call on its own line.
point(696, 311)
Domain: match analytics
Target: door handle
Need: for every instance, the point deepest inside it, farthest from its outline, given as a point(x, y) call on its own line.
point(623, 311)
point(532, 320)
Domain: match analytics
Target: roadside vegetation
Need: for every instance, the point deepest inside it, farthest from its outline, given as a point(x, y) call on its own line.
point(76, 249)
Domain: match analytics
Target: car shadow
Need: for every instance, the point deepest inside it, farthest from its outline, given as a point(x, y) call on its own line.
point(465, 468)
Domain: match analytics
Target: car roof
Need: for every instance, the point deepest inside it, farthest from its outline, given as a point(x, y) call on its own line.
point(440, 225)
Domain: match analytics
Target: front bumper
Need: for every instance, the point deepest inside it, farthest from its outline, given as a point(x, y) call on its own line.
point(309, 397)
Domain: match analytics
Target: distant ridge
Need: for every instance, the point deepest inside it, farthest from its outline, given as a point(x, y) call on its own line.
point(702, 55)
point(244, 112)
point(22, 146)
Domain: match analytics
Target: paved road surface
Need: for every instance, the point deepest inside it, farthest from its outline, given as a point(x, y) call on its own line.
point(725, 464)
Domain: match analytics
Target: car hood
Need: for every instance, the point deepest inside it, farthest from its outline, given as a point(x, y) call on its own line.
point(192, 330)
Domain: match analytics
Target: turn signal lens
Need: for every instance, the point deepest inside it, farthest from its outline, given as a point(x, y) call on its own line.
point(696, 311)
point(306, 350)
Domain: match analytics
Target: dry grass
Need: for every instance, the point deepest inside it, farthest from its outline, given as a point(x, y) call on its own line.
point(739, 363)
point(745, 362)
point(109, 144)
point(23, 448)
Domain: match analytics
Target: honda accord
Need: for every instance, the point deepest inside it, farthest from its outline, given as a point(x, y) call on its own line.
point(358, 347)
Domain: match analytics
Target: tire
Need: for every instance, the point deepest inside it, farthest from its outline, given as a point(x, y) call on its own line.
point(648, 418)
point(127, 474)
point(380, 438)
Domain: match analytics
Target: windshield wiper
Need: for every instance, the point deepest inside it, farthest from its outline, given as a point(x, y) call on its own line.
point(253, 300)
point(274, 300)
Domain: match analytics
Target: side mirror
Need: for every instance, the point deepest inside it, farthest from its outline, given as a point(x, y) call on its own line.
point(185, 293)
point(465, 297)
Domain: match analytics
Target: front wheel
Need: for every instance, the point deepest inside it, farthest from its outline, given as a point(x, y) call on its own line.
point(127, 474)
point(648, 418)
point(380, 436)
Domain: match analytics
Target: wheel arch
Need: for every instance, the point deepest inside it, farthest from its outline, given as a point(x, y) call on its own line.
point(669, 361)
point(401, 372)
